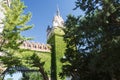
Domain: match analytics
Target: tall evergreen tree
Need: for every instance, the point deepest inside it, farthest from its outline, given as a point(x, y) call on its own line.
point(93, 41)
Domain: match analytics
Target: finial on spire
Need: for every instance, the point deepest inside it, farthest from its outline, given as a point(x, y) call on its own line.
point(58, 11)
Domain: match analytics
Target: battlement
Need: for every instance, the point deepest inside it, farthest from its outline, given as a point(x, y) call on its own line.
point(35, 46)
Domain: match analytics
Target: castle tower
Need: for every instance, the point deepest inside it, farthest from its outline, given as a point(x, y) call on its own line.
point(55, 39)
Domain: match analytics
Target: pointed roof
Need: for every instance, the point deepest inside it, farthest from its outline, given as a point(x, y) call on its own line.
point(58, 20)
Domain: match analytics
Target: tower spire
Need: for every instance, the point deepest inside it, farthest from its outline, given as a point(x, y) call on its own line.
point(58, 11)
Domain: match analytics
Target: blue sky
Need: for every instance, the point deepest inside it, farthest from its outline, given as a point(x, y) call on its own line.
point(42, 15)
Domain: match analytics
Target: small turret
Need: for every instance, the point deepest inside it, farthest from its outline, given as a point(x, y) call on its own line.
point(48, 31)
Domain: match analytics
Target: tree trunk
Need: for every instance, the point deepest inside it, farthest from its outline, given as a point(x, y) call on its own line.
point(44, 74)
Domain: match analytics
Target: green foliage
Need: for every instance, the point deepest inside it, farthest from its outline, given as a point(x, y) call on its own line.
point(27, 61)
point(9, 79)
point(51, 41)
point(0, 78)
point(58, 49)
point(25, 76)
point(36, 76)
point(59, 31)
point(15, 22)
point(36, 61)
point(93, 41)
point(32, 76)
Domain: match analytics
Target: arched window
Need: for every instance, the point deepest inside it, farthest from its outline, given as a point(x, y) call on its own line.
point(35, 46)
point(39, 47)
point(29, 45)
point(24, 44)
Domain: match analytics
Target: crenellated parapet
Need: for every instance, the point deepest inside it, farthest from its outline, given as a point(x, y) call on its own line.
point(32, 46)
point(35, 46)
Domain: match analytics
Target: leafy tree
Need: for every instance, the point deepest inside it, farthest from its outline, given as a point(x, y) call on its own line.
point(93, 41)
point(15, 22)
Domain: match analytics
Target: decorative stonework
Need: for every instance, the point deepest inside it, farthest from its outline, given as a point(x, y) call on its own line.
point(58, 20)
point(35, 46)
point(32, 46)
